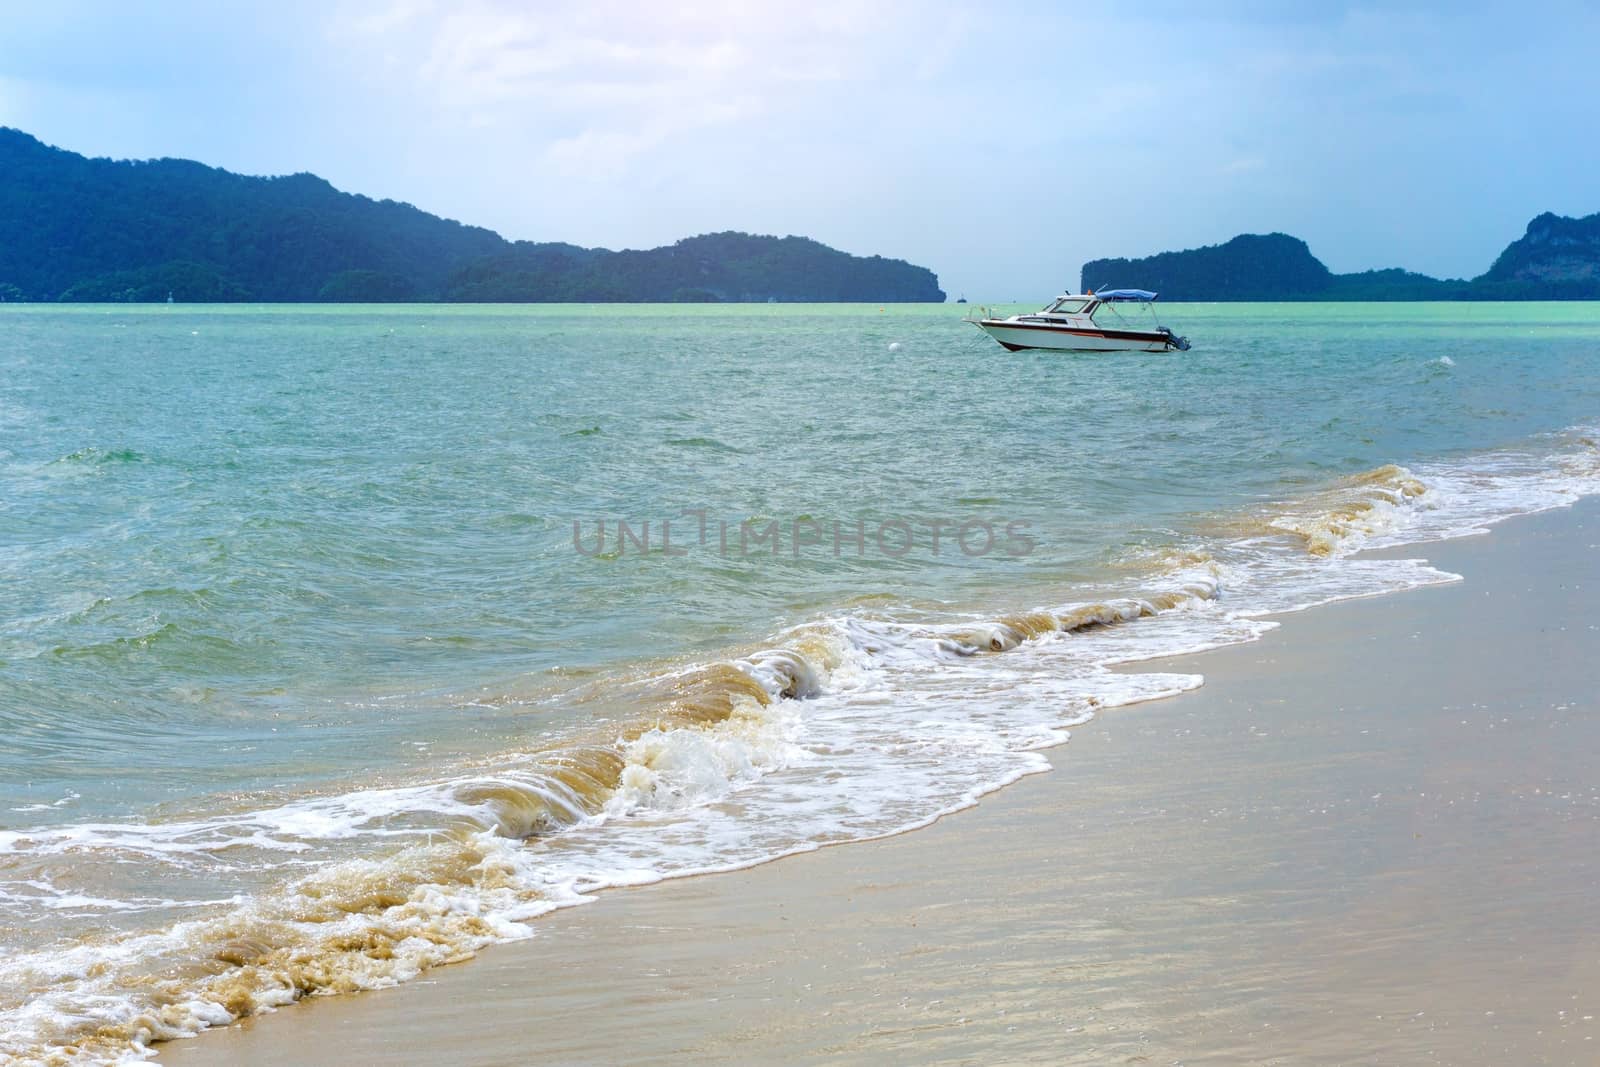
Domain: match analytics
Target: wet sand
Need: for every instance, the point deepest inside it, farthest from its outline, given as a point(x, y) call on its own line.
point(1372, 837)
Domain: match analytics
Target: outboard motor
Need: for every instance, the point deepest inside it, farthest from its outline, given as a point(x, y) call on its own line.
point(1179, 343)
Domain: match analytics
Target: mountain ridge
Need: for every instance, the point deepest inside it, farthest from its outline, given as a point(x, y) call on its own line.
point(80, 229)
point(1556, 258)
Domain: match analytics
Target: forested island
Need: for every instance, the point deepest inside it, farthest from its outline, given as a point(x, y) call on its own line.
point(80, 229)
point(1557, 258)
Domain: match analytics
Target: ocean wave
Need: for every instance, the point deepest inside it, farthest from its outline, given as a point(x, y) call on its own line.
point(864, 723)
point(1339, 520)
point(92, 456)
point(470, 860)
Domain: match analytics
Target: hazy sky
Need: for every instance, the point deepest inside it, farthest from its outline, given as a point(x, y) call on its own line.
point(999, 144)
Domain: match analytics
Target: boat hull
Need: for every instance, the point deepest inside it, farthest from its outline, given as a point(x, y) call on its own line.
point(1016, 336)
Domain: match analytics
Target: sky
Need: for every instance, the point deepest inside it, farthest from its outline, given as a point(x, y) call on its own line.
point(1001, 145)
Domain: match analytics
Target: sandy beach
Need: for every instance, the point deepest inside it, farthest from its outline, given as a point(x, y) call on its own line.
point(1370, 838)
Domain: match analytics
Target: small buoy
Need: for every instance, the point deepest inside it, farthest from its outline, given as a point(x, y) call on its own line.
point(894, 346)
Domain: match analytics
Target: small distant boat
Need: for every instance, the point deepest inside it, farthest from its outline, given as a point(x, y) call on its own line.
point(1087, 322)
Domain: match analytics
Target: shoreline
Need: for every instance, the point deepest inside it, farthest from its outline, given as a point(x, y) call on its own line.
point(1367, 837)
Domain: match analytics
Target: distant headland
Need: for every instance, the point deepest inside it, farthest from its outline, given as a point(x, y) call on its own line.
point(80, 229)
point(1558, 258)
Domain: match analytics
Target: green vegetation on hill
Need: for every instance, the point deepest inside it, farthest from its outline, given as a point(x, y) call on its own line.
point(712, 267)
point(1394, 284)
point(73, 228)
point(1557, 259)
point(1256, 267)
point(1557, 255)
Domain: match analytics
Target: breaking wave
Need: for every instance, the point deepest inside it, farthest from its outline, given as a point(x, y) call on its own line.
point(866, 723)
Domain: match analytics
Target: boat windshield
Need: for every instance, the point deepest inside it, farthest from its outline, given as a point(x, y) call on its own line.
point(1136, 315)
point(1066, 307)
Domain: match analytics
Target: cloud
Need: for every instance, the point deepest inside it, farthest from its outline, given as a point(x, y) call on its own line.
point(595, 150)
point(364, 20)
point(598, 86)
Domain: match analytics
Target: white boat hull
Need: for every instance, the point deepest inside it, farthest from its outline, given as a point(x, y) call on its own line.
point(1074, 338)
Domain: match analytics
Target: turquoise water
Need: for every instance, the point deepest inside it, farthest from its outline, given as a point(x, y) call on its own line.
point(259, 557)
point(216, 520)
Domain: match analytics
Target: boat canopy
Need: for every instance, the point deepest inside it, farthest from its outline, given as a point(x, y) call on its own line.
point(1114, 295)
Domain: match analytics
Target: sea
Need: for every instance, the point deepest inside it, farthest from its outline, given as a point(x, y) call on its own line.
point(340, 642)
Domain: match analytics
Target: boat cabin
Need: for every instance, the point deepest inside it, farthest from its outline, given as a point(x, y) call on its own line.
point(1069, 306)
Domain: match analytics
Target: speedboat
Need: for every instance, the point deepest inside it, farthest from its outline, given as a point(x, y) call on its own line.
point(1087, 322)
